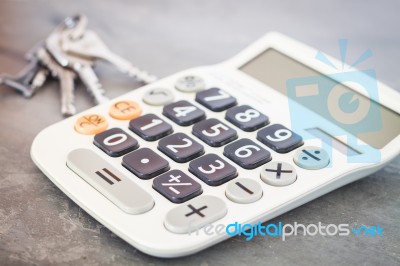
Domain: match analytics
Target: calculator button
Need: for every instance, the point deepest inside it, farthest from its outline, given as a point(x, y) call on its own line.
point(279, 138)
point(145, 163)
point(115, 142)
point(214, 132)
point(215, 99)
point(91, 124)
point(247, 154)
point(212, 169)
point(246, 118)
point(112, 184)
point(180, 148)
point(190, 84)
point(311, 158)
point(195, 214)
point(125, 110)
point(150, 127)
point(177, 186)
point(278, 174)
point(158, 96)
point(183, 113)
point(243, 190)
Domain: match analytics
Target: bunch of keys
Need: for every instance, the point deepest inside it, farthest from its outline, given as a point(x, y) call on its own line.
point(70, 52)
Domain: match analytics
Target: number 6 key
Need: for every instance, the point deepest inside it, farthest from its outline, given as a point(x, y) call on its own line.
point(247, 154)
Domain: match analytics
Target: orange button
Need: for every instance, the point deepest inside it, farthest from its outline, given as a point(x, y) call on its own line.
point(91, 124)
point(125, 110)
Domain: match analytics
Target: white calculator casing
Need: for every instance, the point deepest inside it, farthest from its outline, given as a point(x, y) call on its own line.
point(147, 232)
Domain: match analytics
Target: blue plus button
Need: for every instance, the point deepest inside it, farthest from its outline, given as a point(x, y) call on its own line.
point(311, 158)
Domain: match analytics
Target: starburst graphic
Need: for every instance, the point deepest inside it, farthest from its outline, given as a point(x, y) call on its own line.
point(343, 44)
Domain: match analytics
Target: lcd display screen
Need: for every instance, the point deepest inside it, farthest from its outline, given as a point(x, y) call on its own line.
point(274, 69)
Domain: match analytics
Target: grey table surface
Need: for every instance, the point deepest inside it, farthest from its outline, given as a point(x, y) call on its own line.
point(39, 225)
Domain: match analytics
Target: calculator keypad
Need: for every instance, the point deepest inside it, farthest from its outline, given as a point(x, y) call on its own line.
point(212, 169)
point(246, 118)
point(180, 148)
point(215, 99)
point(214, 132)
point(115, 142)
point(183, 113)
point(145, 163)
point(247, 153)
point(177, 186)
point(150, 127)
point(279, 138)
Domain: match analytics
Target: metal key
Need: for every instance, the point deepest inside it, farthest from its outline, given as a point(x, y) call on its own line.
point(40, 78)
point(92, 47)
point(66, 78)
point(89, 79)
point(73, 27)
point(23, 80)
point(82, 66)
point(78, 25)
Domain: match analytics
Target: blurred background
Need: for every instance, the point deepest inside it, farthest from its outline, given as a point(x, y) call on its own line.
point(39, 225)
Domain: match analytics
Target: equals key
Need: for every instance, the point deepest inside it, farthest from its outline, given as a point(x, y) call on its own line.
point(109, 182)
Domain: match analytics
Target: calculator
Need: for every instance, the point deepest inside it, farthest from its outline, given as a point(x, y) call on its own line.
point(241, 142)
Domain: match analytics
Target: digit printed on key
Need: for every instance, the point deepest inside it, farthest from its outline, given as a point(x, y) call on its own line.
point(246, 118)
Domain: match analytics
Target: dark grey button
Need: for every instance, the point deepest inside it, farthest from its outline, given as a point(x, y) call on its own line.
point(243, 190)
point(247, 154)
point(278, 174)
point(115, 142)
point(215, 99)
point(180, 148)
point(158, 96)
point(183, 113)
point(150, 127)
point(145, 163)
point(112, 184)
point(212, 169)
point(195, 214)
point(190, 84)
point(246, 118)
point(279, 138)
point(177, 186)
point(214, 132)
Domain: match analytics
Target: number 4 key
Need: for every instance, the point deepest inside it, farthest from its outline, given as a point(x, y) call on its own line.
point(183, 113)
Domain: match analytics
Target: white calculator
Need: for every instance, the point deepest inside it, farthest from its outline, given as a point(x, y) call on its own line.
point(238, 142)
